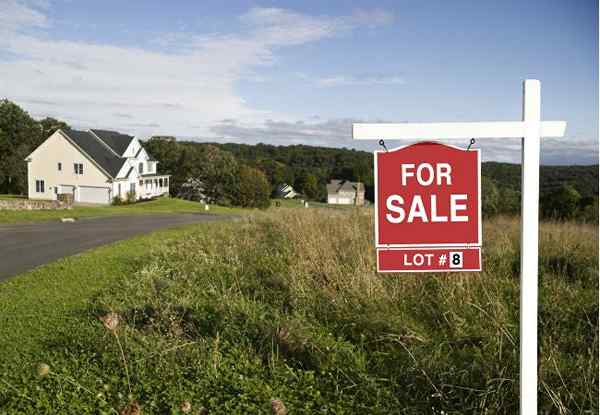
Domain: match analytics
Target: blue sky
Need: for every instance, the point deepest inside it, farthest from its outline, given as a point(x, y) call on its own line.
point(302, 72)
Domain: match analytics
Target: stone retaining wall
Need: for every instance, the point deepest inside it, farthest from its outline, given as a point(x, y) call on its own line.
point(27, 204)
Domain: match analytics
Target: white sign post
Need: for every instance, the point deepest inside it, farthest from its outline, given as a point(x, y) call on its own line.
point(530, 130)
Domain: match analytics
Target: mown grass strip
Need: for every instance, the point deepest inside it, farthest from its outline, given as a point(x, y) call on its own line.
point(161, 205)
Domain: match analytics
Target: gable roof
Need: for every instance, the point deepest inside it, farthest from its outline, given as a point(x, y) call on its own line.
point(92, 147)
point(335, 186)
point(116, 141)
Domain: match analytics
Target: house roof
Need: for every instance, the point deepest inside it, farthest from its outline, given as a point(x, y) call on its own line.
point(92, 147)
point(335, 186)
point(116, 141)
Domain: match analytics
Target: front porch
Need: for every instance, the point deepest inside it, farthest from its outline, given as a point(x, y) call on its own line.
point(153, 185)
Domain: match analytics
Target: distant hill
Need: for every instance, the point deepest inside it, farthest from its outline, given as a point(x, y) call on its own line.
point(353, 164)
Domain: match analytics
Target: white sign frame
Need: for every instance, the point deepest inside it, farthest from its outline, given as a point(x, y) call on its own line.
point(530, 130)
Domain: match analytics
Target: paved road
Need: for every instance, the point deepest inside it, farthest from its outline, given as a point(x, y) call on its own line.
point(23, 247)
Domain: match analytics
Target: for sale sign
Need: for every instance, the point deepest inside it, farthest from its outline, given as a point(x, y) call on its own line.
point(427, 195)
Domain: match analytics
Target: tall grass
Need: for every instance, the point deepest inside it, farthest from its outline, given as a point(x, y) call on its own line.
point(288, 305)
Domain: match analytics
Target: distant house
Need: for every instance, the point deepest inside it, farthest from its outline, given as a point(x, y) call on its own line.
point(94, 166)
point(344, 192)
point(285, 191)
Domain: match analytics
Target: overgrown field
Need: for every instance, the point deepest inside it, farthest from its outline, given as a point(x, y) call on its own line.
point(286, 305)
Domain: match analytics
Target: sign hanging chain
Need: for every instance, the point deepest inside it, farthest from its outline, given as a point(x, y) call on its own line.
point(382, 144)
point(471, 142)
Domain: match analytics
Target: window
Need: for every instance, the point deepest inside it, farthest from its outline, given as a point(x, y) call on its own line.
point(59, 166)
point(39, 186)
point(141, 182)
point(78, 168)
point(141, 168)
point(119, 189)
point(160, 182)
point(166, 182)
point(132, 187)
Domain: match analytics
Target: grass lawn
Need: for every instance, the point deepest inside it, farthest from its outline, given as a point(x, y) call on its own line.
point(8, 197)
point(160, 205)
point(286, 304)
point(39, 309)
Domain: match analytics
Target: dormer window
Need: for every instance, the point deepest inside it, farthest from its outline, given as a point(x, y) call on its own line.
point(141, 168)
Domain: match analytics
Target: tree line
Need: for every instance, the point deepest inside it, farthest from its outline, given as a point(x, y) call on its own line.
point(247, 175)
point(20, 134)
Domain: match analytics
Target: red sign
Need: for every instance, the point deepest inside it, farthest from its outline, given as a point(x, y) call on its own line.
point(427, 195)
point(428, 259)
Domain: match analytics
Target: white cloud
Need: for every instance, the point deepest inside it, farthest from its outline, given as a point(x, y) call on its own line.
point(189, 82)
point(15, 15)
point(354, 80)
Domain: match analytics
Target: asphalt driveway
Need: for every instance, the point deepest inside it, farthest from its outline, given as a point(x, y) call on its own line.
point(23, 247)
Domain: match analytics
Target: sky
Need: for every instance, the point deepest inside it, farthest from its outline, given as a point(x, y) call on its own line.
point(301, 72)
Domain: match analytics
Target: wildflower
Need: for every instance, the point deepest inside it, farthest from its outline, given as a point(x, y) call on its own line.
point(43, 370)
point(133, 408)
point(278, 407)
point(186, 407)
point(110, 321)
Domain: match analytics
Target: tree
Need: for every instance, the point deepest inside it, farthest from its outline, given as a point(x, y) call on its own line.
point(510, 201)
point(218, 169)
point(562, 203)
point(308, 185)
point(490, 197)
point(51, 125)
point(274, 171)
point(589, 210)
point(167, 152)
point(19, 136)
point(253, 188)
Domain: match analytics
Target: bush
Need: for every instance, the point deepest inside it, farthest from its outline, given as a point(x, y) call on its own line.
point(562, 203)
point(490, 197)
point(116, 201)
point(131, 196)
point(254, 189)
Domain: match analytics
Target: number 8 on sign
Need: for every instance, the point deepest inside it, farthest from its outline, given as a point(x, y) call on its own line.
point(456, 259)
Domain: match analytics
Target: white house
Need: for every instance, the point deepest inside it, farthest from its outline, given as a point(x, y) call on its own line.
point(344, 192)
point(94, 166)
point(285, 191)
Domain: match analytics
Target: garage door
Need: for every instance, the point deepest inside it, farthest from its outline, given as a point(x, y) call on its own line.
point(88, 194)
point(344, 201)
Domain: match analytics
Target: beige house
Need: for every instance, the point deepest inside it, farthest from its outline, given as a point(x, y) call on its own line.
point(344, 192)
point(94, 166)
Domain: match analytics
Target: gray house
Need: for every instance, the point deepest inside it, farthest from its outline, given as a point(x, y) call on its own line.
point(344, 192)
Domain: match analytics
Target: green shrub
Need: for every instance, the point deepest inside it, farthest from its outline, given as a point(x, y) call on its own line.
point(131, 197)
